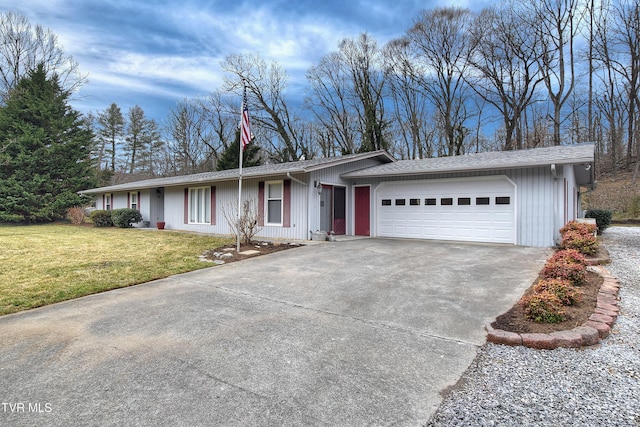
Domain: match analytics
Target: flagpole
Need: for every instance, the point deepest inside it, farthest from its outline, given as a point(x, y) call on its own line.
point(240, 150)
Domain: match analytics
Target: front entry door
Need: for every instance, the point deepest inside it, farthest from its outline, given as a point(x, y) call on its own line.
point(333, 209)
point(362, 211)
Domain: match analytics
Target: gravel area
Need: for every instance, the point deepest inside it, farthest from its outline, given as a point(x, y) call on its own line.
point(594, 386)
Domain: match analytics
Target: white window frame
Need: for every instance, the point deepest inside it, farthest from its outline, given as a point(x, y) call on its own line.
point(132, 196)
point(200, 206)
point(268, 199)
point(107, 202)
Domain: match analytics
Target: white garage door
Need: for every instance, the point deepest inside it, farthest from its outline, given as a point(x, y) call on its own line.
point(480, 209)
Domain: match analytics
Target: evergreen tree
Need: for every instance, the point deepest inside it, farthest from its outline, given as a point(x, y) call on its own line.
point(45, 156)
point(229, 158)
point(111, 132)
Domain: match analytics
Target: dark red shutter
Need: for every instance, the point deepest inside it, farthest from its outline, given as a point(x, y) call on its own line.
point(113, 202)
point(186, 206)
point(261, 203)
point(213, 205)
point(286, 203)
point(139, 203)
point(129, 200)
point(104, 202)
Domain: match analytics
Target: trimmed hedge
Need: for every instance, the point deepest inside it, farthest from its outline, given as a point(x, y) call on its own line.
point(101, 218)
point(602, 217)
point(124, 218)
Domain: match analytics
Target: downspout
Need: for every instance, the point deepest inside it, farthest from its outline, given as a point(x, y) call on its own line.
point(554, 218)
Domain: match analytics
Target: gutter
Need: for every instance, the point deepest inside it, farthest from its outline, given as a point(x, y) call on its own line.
point(296, 179)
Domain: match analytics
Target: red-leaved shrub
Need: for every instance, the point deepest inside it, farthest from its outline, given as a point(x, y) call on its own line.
point(574, 273)
point(571, 256)
point(563, 289)
point(580, 227)
point(543, 307)
point(584, 243)
point(579, 236)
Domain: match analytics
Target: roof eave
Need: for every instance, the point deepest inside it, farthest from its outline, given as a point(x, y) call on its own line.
point(357, 174)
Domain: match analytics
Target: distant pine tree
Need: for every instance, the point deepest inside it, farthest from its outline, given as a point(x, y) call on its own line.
point(229, 158)
point(44, 151)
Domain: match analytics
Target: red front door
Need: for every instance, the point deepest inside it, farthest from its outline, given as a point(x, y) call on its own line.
point(362, 211)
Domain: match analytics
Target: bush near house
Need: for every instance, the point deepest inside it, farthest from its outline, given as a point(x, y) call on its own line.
point(567, 293)
point(572, 272)
point(579, 236)
point(101, 218)
point(544, 307)
point(124, 218)
point(602, 217)
point(562, 272)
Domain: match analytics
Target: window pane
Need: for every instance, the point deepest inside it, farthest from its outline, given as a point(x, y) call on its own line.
point(193, 205)
point(275, 191)
point(430, 202)
point(464, 201)
point(446, 201)
point(400, 202)
point(207, 205)
point(482, 200)
point(503, 200)
point(274, 208)
point(386, 202)
point(414, 202)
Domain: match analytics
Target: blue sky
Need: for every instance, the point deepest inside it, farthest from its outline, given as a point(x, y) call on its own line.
point(156, 53)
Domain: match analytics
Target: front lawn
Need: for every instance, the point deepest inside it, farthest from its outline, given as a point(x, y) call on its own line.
point(43, 264)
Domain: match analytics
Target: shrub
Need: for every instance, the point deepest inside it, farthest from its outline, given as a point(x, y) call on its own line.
point(124, 218)
point(584, 243)
point(543, 307)
point(101, 218)
point(578, 227)
point(572, 272)
point(76, 215)
point(571, 256)
point(563, 289)
point(602, 217)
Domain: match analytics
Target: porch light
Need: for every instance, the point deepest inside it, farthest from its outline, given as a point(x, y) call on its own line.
point(318, 186)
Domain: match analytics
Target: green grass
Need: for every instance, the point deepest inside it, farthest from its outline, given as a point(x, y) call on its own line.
point(44, 264)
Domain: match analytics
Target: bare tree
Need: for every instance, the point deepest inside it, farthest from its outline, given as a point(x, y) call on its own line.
point(23, 47)
point(625, 37)
point(410, 112)
point(441, 49)
point(556, 24)
point(267, 85)
point(347, 95)
point(506, 59)
point(220, 117)
point(330, 101)
point(362, 60)
point(183, 137)
point(608, 101)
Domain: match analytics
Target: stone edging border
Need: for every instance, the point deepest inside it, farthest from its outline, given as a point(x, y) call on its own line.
point(596, 328)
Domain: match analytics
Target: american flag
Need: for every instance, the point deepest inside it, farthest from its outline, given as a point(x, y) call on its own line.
point(245, 125)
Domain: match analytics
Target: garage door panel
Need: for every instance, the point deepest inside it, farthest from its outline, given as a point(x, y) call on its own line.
point(467, 218)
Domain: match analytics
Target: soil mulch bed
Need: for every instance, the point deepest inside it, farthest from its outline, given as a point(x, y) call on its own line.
point(515, 320)
point(263, 248)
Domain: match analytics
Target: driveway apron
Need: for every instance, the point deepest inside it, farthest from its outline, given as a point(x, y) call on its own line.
point(359, 332)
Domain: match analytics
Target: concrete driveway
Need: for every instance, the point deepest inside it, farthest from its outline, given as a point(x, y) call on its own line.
point(361, 332)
